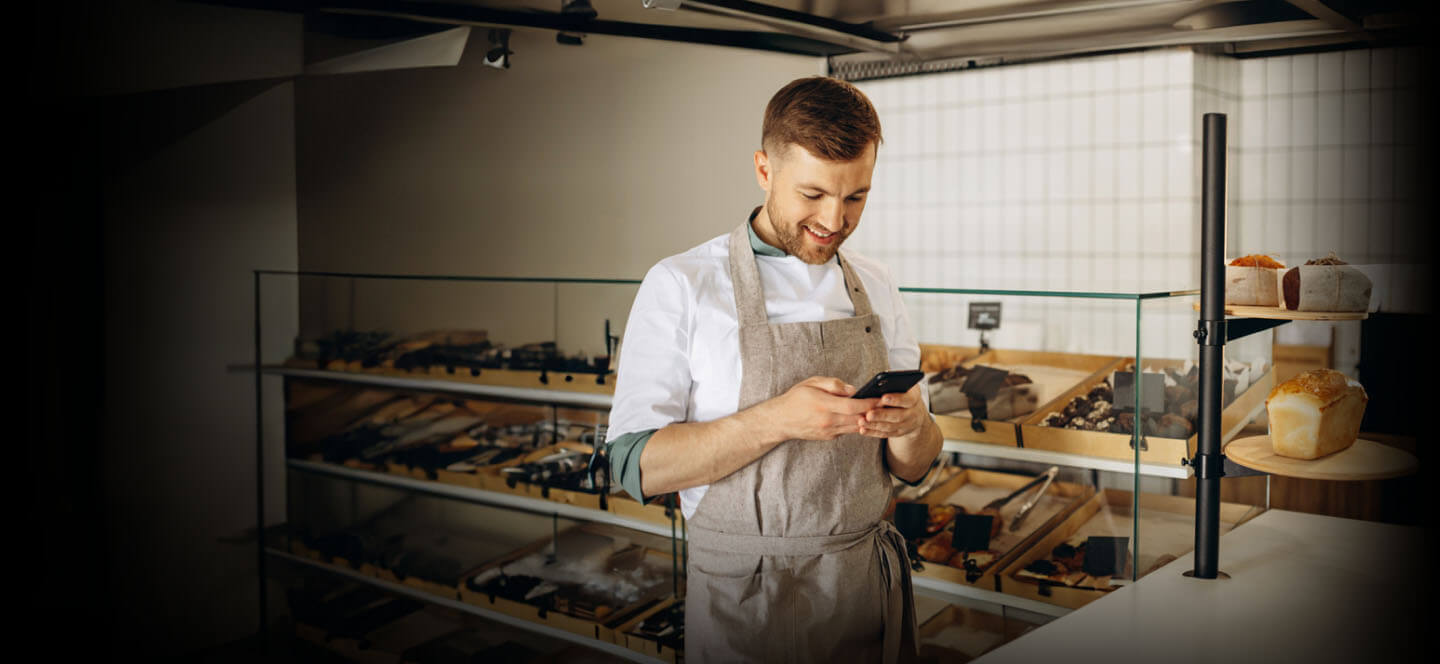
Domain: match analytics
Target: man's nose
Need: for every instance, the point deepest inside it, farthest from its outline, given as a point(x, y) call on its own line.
point(832, 215)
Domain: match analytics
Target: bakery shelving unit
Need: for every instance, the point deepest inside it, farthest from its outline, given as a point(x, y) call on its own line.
point(588, 397)
point(556, 394)
point(1213, 330)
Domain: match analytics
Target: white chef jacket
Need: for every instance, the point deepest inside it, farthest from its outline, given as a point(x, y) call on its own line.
point(680, 361)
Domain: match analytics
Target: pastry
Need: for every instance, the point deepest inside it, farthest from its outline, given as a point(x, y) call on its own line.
point(1251, 280)
point(1326, 284)
point(1315, 413)
point(940, 359)
point(1018, 395)
point(937, 549)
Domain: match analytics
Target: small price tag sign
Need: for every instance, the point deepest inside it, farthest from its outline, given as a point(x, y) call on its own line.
point(912, 519)
point(984, 315)
point(972, 532)
point(1152, 398)
point(1106, 556)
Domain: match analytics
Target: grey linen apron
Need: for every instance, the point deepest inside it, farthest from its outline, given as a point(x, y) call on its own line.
point(790, 560)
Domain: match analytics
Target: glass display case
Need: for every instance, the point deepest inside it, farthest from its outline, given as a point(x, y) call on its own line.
point(441, 431)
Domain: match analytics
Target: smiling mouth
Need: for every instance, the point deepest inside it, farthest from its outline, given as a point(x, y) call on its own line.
point(820, 237)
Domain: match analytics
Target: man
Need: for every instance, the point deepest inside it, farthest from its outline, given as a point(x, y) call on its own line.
point(739, 360)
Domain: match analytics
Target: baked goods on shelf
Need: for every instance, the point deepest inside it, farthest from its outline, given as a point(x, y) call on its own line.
point(1095, 410)
point(592, 573)
point(446, 352)
point(1016, 396)
point(1315, 413)
point(1067, 565)
point(1253, 280)
point(1326, 284)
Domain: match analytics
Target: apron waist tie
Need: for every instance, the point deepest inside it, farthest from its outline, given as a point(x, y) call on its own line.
point(890, 549)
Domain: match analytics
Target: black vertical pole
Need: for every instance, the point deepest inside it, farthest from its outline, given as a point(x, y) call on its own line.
point(1211, 336)
point(260, 480)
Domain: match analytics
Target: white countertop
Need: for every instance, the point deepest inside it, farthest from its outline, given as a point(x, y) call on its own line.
point(1303, 588)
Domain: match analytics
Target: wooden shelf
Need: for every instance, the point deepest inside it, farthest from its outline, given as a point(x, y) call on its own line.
point(1048, 457)
point(1365, 460)
point(420, 382)
point(481, 496)
point(409, 591)
point(1281, 313)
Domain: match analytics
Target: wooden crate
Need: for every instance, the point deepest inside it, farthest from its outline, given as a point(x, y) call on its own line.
point(1157, 450)
point(1000, 484)
point(1054, 374)
point(643, 645)
point(493, 480)
point(1170, 520)
point(604, 629)
point(987, 632)
point(621, 504)
point(539, 380)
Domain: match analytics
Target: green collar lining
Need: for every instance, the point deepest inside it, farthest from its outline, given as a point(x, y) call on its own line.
point(759, 246)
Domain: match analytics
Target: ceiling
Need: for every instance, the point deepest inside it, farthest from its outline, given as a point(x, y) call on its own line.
point(867, 38)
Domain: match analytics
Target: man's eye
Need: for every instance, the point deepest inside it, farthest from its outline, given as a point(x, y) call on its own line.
point(813, 197)
point(856, 199)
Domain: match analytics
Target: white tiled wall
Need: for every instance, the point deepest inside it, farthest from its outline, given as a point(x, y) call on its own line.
point(1084, 175)
point(1072, 175)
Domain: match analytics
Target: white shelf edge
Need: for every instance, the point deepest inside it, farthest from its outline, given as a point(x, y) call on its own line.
point(480, 496)
point(959, 593)
point(560, 397)
point(1176, 471)
point(545, 630)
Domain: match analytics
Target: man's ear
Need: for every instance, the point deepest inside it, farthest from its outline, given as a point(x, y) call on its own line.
point(764, 170)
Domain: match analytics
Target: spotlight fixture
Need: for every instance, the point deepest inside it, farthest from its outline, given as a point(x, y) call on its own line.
point(579, 8)
point(498, 56)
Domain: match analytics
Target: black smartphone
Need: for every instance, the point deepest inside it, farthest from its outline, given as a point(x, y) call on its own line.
point(888, 382)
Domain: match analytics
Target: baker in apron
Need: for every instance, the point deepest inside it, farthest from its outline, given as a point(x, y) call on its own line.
point(789, 558)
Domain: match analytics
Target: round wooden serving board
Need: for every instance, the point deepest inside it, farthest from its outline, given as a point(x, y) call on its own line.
point(1365, 460)
point(1281, 313)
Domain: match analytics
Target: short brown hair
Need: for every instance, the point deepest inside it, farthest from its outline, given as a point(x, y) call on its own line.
point(832, 119)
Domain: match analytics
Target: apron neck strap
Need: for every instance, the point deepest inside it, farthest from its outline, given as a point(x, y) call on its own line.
point(750, 295)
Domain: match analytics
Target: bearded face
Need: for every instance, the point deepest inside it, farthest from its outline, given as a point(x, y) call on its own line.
point(813, 204)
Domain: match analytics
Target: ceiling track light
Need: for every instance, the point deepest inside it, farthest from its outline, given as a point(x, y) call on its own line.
point(498, 55)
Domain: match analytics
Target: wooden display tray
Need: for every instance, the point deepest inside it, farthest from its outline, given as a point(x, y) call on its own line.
point(1281, 313)
point(1168, 451)
point(623, 636)
point(1000, 484)
point(603, 630)
point(565, 382)
point(1170, 519)
point(1365, 460)
point(621, 504)
point(493, 480)
point(1055, 373)
point(985, 632)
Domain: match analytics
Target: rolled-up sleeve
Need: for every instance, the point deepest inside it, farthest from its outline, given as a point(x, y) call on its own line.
point(652, 385)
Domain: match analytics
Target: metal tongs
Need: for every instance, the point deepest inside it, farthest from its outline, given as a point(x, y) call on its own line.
point(1044, 479)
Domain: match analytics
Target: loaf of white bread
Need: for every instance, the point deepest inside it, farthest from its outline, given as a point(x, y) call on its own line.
point(1315, 413)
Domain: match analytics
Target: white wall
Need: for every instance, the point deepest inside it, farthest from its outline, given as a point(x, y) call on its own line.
point(1070, 175)
point(590, 161)
point(1084, 175)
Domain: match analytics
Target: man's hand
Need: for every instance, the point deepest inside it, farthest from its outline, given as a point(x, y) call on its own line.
point(818, 408)
point(895, 415)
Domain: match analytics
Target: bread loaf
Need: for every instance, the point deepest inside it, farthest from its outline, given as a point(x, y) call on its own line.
point(1315, 413)
point(1253, 280)
point(1326, 284)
